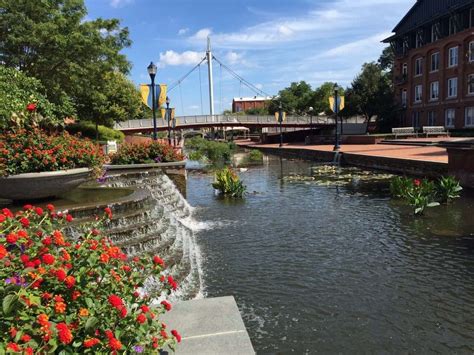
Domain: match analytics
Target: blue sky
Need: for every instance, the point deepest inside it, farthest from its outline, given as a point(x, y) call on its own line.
point(271, 43)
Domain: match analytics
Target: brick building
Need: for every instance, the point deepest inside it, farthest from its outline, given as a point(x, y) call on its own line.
point(434, 64)
point(241, 104)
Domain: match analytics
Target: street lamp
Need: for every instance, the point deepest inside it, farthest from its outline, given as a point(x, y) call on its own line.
point(168, 114)
point(310, 110)
point(152, 69)
point(337, 144)
point(280, 118)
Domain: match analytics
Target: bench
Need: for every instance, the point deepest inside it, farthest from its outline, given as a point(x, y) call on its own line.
point(404, 131)
point(435, 131)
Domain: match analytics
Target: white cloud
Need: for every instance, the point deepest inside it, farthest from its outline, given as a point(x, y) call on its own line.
point(202, 34)
point(183, 31)
point(360, 46)
point(120, 3)
point(172, 58)
point(232, 58)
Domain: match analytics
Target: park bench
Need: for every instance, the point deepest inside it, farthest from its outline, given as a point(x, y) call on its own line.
point(404, 131)
point(435, 131)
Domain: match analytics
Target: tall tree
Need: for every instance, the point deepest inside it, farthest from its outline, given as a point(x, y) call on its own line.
point(295, 99)
point(53, 41)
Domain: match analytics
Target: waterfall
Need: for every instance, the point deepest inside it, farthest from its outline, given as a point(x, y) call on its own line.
point(163, 225)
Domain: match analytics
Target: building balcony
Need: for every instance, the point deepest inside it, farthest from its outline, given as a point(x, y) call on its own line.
point(401, 79)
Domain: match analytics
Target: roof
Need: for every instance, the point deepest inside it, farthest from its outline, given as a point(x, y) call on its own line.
point(425, 11)
point(255, 98)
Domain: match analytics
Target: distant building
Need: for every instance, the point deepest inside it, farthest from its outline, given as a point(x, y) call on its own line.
point(434, 65)
point(240, 104)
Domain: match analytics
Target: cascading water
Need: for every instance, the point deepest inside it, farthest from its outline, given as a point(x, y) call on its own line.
point(163, 225)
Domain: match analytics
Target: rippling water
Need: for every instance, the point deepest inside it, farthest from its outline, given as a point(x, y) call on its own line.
point(338, 269)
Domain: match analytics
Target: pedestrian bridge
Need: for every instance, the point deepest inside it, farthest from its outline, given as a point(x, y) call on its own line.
point(208, 121)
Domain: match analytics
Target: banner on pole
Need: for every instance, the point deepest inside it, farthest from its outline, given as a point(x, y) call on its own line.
point(160, 94)
point(277, 116)
point(340, 101)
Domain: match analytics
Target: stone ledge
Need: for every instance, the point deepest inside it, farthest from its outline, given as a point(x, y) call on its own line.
point(209, 326)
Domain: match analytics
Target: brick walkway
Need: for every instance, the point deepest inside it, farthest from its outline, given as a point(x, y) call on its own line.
point(421, 153)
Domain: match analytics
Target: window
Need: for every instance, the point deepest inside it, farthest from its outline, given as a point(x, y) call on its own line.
point(419, 39)
point(470, 84)
point(434, 92)
point(452, 87)
point(416, 119)
point(435, 62)
point(471, 52)
point(432, 118)
point(404, 98)
point(418, 93)
point(469, 117)
point(450, 117)
point(435, 32)
point(453, 56)
point(418, 66)
point(454, 24)
point(405, 69)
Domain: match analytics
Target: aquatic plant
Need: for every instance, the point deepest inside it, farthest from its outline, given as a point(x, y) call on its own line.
point(399, 186)
point(421, 195)
point(200, 148)
point(255, 156)
point(448, 188)
point(228, 183)
point(146, 153)
point(75, 296)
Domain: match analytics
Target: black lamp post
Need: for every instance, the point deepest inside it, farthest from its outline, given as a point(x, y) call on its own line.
point(168, 114)
point(152, 69)
point(337, 144)
point(280, 119)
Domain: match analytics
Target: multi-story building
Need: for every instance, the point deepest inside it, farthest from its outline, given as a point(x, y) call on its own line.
point(434, 64)
point(241, 104)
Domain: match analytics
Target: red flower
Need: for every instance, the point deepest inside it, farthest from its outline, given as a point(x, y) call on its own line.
point(144, 308)
point(70, 281)
point(39, 211)
point(61, 274)
point(27, 207)
point(89, 343)
point(141, 318)
point(108, 211)
point(166, 304)
point(157, 260)
point(69, 218)
point(116, 301)
point(14, 347)
point(176, 335)
point(64, 333)
point(31, 107)
point(48, 259)
point(3, 252)
point(2, 218)
point(123, 312)
point(47, 241)
point(50, 207)
point(24, 222)
point(25, 338)
point(417, 182)
point(12, 238)
point(115, 344)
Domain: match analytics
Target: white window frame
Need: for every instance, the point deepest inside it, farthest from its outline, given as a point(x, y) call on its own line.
point(432, 118)
point(452, 88)
point(418, 66)
point(470, 84)
point(453, 57)
point(471, 51)
point(450, 120)
point(437, 55)
point(469, 117)
point(434, 89)
point(418, 93)
point(452, 25)
point(434, 32)
point(405, 69)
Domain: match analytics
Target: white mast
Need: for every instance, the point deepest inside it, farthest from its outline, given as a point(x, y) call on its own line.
point(211, 82)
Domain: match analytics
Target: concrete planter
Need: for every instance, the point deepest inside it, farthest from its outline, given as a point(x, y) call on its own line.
point(176, 165)
point(31, 186)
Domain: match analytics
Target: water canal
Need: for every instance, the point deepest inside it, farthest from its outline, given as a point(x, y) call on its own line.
point(322, 267)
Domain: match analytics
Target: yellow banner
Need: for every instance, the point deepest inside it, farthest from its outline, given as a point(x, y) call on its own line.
point(340, 101)
point(160, 94)
point(163, 113)
point(277, 116)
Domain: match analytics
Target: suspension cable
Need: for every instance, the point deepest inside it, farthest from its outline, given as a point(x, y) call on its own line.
point(176, 83)
point(200, 89)
point(181, 99)
point(220, 90)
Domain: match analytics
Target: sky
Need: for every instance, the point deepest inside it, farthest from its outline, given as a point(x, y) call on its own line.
point(270, 43)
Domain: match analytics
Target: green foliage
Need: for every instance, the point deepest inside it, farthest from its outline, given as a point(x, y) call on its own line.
point(88, 130)
point(37, 151)
point(17, 90)
point(228, 183)
point(259, 111)
point(213, 151)
point(255, 156)
point(448, 188)
point(421, 194)
point(145, 153)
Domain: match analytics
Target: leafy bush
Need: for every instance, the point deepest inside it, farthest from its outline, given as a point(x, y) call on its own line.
point(87, 129)
point(255, 156)
point(448, 188)
point(228, 183)
point(17, 90)
point(424, 193)
point(36, 151)
point(213, 151)
point(64, 296)
point(145, 153)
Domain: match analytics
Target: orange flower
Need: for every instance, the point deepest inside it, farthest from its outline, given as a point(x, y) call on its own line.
point(43, 319)
point(83, 312)
point(3, 252)
point(89, 343)
point(60, 307)
point(115, 344)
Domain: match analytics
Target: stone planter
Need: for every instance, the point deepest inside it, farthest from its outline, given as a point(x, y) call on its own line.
point(175, 165)
point(31, 186)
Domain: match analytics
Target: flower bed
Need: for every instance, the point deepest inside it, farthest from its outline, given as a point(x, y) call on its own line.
point(60, 295)
point(146, 153)
point(23, 151)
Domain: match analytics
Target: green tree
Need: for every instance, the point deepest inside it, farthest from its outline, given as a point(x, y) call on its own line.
point(387, 60)
point(53, 41)
point(320, 101)
point(295, 99)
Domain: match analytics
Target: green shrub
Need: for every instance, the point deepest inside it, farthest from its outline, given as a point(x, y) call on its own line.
point(447, 189)
point(228, 183)
point(87, 129)
point(214, 151)
point(255, 156)
point(145, 153)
